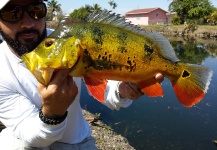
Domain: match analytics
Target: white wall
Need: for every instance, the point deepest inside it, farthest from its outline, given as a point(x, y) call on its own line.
point(138, 21)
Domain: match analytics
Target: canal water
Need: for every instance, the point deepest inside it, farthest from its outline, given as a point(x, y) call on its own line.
point(163, 123)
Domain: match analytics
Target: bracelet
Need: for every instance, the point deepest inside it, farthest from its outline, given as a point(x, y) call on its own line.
point(53, 121)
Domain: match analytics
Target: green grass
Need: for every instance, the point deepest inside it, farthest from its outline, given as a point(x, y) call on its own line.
point(178, 27)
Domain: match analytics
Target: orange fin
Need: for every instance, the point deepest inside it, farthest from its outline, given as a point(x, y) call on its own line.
point(192, 85)
point(151, 88)
point(188, 95)
point(96, 87)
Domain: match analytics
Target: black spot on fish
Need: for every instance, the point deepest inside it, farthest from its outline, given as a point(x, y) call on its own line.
point(129, 62)
point(97, 35)
point(132, 65)
point(122, 49)
point(148, 50)
point(86, 51)
point(122, 36)
point(104, 57)
point(185, 74)
point(102, 62)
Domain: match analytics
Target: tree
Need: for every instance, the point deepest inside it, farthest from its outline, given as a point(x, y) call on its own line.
point(83, 12)
point(96, 8)
point(112, 4)
point(176, 20)
point(191, 9)
point(213, 18)
point(53, 7)
point(80, 13)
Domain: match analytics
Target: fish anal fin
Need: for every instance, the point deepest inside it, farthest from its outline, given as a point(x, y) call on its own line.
point(151, 88)
point(96, 87)
point(188, 95)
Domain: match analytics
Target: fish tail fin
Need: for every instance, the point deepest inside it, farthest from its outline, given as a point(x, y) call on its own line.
point(192, 85)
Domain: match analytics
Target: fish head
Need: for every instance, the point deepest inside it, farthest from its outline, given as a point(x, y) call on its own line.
point(51, 55)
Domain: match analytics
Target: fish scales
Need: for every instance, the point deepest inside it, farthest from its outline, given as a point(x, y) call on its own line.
point(125, 53)
point(105, 47)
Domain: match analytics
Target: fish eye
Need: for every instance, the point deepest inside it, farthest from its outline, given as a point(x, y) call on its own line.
point(49, 42)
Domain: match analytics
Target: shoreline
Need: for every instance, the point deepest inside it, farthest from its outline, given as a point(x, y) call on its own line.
point(200, 31)
point(106, 138)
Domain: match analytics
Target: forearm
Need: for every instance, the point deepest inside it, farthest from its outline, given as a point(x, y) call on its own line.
point(35, 133)
point(22, 118)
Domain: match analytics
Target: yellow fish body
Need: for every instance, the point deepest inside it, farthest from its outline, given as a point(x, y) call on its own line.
point(106, 47)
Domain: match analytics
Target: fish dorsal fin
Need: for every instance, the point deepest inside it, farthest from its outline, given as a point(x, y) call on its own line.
point(165, 48)
point(67, 20)
point(107, 17)
point(64, 27)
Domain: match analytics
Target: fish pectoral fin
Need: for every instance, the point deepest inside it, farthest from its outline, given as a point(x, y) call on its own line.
point(96, 87)
point(151, 88)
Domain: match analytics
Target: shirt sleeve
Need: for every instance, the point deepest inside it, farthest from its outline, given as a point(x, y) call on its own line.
point(113, 100)
point(22, 118)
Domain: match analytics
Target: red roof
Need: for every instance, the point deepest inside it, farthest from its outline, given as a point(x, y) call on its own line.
point(145, 10)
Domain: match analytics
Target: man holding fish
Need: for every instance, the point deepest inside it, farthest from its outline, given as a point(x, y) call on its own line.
point(37, 115)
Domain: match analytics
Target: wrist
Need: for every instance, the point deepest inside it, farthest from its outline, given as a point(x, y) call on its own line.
point(52, 113)
point(52, 120)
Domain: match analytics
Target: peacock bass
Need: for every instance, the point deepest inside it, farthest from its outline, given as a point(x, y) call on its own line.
point(105, 47)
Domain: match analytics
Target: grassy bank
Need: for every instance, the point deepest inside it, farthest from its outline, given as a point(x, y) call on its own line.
point(179, 27)
point(200, 31)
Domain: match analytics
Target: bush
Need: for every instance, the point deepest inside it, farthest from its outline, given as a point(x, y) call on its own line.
point(176, 20)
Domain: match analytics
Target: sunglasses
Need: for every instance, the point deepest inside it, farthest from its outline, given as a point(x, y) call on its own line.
point(13, 13)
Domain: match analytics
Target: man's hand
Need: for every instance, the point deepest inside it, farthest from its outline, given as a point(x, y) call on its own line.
point(58, 95)
point(132, 91)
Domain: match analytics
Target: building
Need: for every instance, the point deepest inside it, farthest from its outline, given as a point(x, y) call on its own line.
point(147, 16)
point(170, 16)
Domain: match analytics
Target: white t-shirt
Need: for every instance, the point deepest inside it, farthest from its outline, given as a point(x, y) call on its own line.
point(20, 102)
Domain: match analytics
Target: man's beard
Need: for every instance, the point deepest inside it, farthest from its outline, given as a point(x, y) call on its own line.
point(29, 45)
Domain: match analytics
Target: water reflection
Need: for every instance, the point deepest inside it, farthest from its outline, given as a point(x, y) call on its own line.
point(163, 123)
point(196, 48)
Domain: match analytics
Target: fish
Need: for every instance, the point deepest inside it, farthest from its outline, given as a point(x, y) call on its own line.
point(106, 47)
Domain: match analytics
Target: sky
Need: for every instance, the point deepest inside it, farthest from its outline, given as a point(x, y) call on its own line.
point(123, 6)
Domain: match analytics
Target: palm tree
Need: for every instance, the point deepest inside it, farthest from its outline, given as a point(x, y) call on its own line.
point(96, 8)
point(53, 7)
point(112, 4)
point(88, 8)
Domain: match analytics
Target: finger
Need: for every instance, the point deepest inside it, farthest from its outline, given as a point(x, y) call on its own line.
point(159, 77)
point(131, 93)
point(135, 88)
point(70, 81)
point(59, 76)
point(72, 87)
point(40, 87)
